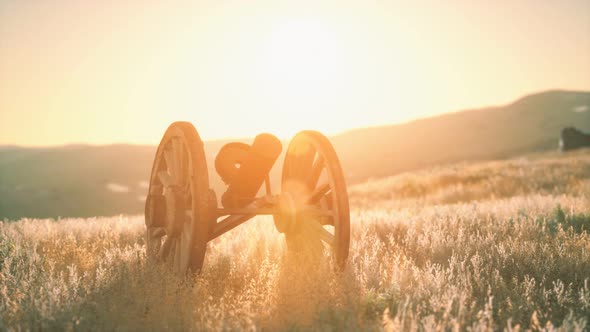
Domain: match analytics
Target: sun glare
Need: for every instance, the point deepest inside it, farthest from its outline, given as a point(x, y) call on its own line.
point(300, 53)
point(300, 69)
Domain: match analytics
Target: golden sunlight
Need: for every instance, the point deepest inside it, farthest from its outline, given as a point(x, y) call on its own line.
point(300, 69)
point(123, 73)
point(302, 55)
point(294, 165)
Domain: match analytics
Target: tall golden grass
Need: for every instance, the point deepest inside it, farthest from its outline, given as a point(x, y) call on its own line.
point(488, 246)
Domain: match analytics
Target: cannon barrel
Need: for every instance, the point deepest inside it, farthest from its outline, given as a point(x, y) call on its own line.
point(253, 170)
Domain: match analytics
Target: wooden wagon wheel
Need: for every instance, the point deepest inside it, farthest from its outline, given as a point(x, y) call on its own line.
point(312, 176)
point(176, 211)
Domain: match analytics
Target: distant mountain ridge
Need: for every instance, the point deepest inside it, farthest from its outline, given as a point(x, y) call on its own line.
point(86, 180)
point(530, 124)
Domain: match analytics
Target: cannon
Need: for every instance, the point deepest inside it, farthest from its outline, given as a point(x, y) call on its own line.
point(182, 213)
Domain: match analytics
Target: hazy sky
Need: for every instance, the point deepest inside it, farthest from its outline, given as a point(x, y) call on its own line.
point(115, 71)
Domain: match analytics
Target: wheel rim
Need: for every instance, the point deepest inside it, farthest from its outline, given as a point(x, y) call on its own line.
point(312, 176)
point(176, 207)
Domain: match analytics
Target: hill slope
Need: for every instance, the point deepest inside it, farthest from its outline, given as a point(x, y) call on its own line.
point(530, 124)
point(106, 180)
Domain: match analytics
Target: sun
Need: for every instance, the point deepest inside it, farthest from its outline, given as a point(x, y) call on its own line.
point(300, 70)
point(300, 52)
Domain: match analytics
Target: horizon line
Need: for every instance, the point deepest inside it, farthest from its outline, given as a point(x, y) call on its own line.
point(244, 138)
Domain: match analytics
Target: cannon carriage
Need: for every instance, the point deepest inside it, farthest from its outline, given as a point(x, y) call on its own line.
point(182, 213)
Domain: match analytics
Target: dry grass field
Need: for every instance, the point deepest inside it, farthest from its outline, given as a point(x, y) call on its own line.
point(481, 246)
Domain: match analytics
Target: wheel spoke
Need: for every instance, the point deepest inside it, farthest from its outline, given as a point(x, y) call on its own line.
point(316, 171)
point(326, 201)
point(187, 227)
point(158, 232)
point(303, 162)
point(155, 189)
point(178, 160)
point(188, 216)
point(186, 236)
point(323, 233)
point(170, 163)
point(322, 214)
point(326, 204)
point(165, 178)
point(319, 193)
point(184, 244)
